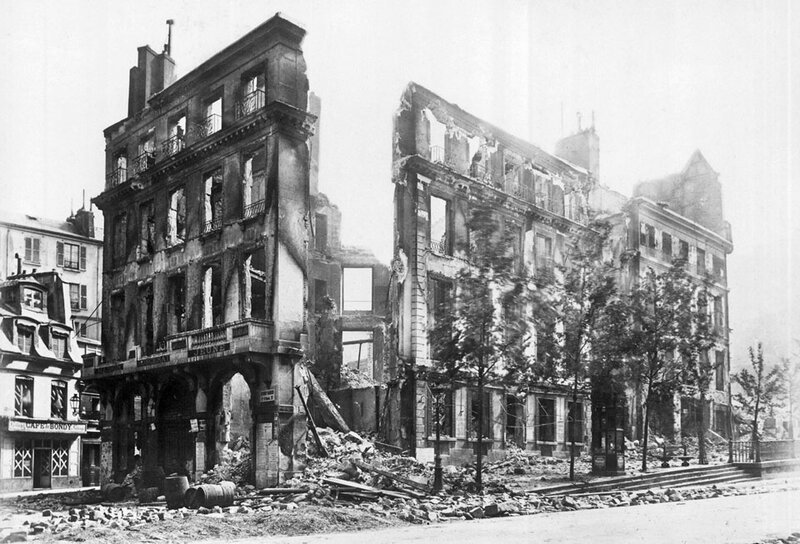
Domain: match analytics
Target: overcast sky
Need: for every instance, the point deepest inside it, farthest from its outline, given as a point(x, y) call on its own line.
point(662, 78)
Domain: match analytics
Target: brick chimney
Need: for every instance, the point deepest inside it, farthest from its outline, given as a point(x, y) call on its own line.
point(154, 72)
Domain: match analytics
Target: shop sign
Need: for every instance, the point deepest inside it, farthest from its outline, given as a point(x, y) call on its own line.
point(62, 427)
point(267, 395)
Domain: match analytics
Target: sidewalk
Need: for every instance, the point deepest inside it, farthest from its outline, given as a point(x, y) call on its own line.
point(57, 491)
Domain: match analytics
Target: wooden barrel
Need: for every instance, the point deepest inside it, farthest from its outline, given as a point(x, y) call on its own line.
point(114, 492)
point(189, 498)
point(174, 489)
point(210, 495)
point(228, 493)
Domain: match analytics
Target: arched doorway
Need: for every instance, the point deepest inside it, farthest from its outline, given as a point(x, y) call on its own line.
point(175, 443)
point(233, 424)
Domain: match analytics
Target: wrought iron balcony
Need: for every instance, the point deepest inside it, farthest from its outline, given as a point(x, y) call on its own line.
point(209, 125)
point(440, 247)
point(254, 209)
point(117, 176)
point(250, 103)
point(142, 163)
point(214, 224)
point(477, 170)
point(173, 145)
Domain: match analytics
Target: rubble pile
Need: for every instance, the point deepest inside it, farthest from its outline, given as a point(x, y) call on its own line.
point(716, 451)
point(234, 465)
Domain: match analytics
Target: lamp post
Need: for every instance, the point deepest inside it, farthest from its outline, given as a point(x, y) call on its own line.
point(437, 391)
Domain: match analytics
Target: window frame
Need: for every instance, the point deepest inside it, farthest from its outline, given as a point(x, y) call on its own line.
point(19, 400)
point(32, 252)
point(55, 411)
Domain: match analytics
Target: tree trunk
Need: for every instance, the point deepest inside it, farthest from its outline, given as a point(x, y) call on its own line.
point(572, 438)
point(701, 431)
point(756, 445)
point(479, 459)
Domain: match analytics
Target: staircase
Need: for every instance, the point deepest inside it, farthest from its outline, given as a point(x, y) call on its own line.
point(672, 478)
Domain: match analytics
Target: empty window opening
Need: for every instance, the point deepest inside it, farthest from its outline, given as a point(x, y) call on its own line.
point(647, 235)
point(440, 231)
point(32, 250)
point(118, 326)
point(23, 396)
point(176, 321)
point(119, 169)
point(718, 264)
point(253, 94)
point(176, 217)
point(544, 253)
point(357, 289)
point(684, 250)
point(321, 233)
point(357, 351)
point(58, 399)
point(254, 179)
point(212, 296)
point(176, 131)
point(256, 265)
point(719, 370)
point(666, 244)
point(546, 420)
point(213, 201)
point(120, 239)
point(701, 261)
point(146, 301)
point(438, 135)
point(212, 122)
point(147, 229)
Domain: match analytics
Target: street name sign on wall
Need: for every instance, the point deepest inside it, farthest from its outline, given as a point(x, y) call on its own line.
point(62, 427)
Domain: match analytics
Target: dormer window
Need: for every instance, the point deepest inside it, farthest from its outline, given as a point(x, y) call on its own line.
point(58, 345)
point(33, 298)
point(24, 339)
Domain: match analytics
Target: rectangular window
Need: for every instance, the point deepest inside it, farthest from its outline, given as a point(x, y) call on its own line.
point(255, 180)
point(120, 239)
point(79, 328)
point(212, 296)
point(719, 370)
point(439, 306)
point(718, 264)
point(23, 396)
point(357, 351)
point(440, 226)
point(321, 233)
point(575, 422)
point(666, 245)
point(58, 399)
point(546, 420)
point(25, 339)
point(253, 94)
point(356, 289)
point(32, 250)
point(23, 459)
point(33, 298)
point(177, 304)
point(176, 131)
point(147, 229)
point(58, 345)
point(213, 117)
point(684, 250)
point(718, 316)
point(701, 261)
point(176, 217)
point(475, 414)
point(213, 201)
point(60, 460)
point(256, 270)
point(71, 256)
point(446, 407)
point(647, 235)
point(77, 296)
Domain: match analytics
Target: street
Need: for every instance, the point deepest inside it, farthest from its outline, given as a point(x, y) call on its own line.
point(731, 520)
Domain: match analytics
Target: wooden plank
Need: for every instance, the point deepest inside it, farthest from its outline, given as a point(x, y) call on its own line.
point(354, 487)
point(329, 411)
point(323, 450)
point(392, 476)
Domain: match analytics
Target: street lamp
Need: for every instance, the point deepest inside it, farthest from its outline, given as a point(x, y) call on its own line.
point(75, 402)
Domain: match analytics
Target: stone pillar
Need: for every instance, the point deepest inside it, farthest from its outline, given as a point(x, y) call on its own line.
point(420, 412)
point(561, 410)
point(460, 414)
point(418, 276)
point(530, 421)
point(265, 449)
point(497, 418)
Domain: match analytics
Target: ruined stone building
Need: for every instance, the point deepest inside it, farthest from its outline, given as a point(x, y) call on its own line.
point(41, 430)
point(207, 210)
point(445, 161)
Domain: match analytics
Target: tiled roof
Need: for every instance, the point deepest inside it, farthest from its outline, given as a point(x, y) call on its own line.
point(55, 226)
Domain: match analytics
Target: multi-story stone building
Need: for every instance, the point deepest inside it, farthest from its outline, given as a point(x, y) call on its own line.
point(73, 248)
point(40, 365)
point(445, 161)
point(207, 212)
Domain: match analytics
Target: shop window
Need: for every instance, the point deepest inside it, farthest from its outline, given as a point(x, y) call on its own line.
point(147, 229)
point(440, 226)
point(575, 422)
point(58, 399)
point(25, 339)
point(32, 250)
point(356, 289)
point(60, 458)
point(23, 396)
point(546, 420)
point(177, 303)
point(176, 217)
point(23, 459)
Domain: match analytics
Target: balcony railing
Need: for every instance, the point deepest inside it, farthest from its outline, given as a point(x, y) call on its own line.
point(117, 176)
point(517, 189)
point(142, 162)
point(477, 170)
point(250, 103)
point(214, 224)
point(173, 145)
point(440, 247)
point(209, 336)
point(254, 209)
point(209, 125)
point(437, 154)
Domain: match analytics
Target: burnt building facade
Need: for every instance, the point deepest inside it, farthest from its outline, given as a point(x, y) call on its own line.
point(207, 215)
point(445, 162)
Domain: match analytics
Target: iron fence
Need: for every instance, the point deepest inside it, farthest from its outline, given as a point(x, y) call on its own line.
point(747, 451)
